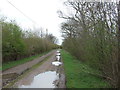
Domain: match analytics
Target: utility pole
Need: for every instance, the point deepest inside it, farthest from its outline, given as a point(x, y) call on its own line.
point(46, 33)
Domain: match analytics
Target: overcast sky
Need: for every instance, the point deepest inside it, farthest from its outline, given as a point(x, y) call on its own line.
point(42, 12)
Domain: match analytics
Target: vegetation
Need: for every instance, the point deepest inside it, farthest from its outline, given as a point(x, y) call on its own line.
point(91, 34)
point(18, 44)
point(79, 75)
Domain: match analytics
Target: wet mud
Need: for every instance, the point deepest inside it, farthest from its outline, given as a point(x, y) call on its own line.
point(47, 75)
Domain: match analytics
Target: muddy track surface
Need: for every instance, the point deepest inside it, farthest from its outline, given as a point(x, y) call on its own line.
point(20, 68)
point(46, 75)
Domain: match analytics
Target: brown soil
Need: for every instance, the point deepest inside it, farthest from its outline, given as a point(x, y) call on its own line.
point(46, 66)
point(20, 68)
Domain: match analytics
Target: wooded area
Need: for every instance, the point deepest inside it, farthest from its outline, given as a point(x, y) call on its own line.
point(18, 44)
point(91, 34)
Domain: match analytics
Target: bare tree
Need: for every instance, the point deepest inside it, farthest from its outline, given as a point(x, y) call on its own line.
point(93, 29)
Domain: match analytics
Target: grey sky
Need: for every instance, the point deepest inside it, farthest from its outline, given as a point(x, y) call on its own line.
point(43, 12)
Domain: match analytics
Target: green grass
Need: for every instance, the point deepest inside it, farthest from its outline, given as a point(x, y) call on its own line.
point(77, 75)
point(18, 62)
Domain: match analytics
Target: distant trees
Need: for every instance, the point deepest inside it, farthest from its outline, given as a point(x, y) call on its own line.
point(17, 44)
point(90, 34)
point(52, 38)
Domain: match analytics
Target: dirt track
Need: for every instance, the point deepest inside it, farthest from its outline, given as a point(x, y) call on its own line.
point(46, 66)
point(20, 68)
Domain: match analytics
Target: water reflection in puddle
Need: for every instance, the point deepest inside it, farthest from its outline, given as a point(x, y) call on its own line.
point(58, 58)
point(58, 51)
point(57, 63)
point(43, 80)
point(58, 54)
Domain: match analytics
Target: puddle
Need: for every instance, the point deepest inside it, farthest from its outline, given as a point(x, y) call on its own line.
point(58, 54)
point(43, 80)
point(58, 51)
point(57, 63)
point(58, 58)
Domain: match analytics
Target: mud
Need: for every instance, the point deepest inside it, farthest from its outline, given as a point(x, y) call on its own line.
point(52, 76)
point(20, 68)
point(12, 73)
point(6, 78)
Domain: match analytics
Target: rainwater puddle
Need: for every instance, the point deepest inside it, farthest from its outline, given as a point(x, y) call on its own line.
point(58, 54)
point(58, 58)
point(58, 51)
point(43, 80)
point(56, 63)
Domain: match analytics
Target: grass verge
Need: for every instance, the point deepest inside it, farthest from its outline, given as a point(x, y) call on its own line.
point(8, 65)
point(77, 75)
